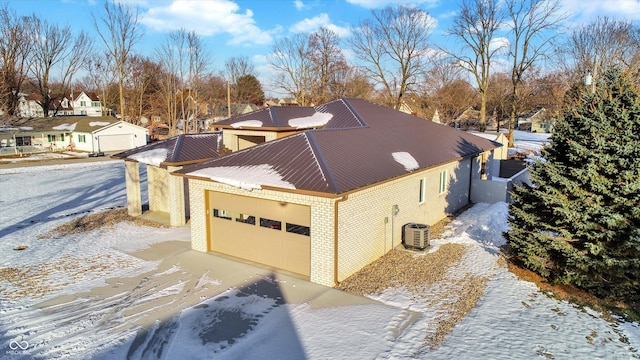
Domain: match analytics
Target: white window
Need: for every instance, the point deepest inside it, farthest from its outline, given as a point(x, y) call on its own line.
point(423, 182)
point(443, 182)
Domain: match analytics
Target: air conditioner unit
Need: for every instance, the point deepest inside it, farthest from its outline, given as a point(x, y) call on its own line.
point(415, 236)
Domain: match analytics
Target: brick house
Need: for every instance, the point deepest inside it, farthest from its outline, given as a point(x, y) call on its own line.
point(323, 191)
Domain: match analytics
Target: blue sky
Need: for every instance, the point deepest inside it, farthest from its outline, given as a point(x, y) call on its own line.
point(250, 27)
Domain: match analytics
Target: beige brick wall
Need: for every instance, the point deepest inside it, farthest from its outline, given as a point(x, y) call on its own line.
point(230, 137)
point(176, 202)
point(322, 223)
point(363, 233)
point(367, 228)
point(158, 187)
point(133, 187)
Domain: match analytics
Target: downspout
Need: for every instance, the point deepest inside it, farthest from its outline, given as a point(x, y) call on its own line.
point(335, 238)
point(471, 161)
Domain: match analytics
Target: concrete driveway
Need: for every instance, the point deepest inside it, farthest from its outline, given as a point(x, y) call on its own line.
point(226, 299)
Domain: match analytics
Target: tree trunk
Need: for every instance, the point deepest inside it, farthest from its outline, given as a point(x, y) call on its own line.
point(483, 112)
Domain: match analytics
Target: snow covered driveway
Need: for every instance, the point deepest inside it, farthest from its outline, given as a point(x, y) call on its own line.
point(138, 292)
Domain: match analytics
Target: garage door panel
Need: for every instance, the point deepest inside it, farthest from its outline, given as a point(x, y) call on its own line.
point(115, 142)
point(298, 214)
point(273, 247)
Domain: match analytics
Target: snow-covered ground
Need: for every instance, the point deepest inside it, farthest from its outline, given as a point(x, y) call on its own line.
point(66, 304)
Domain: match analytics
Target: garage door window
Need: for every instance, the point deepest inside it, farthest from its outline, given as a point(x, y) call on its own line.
point(247, 219)
point(222, 214)
point(270, 224)
point(298, 229)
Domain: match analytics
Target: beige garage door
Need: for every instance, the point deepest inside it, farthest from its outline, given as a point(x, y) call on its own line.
point(264, 231)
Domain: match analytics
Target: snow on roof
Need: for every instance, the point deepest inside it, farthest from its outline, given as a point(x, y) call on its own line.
point(247, 123)
point(99, 123)
point(26, 128)
point(315, 120)
point(406, 160)
point(65, 126)
point(7, 128)
point(151, 157)
point(245, 177)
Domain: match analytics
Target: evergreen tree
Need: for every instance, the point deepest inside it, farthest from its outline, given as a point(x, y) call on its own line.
point(579, 223)
point(249, 90)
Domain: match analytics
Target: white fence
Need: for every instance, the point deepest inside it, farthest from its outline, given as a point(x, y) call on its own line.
point(496, 189)
point(29, 149)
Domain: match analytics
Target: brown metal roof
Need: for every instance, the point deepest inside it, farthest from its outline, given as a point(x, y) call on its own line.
point(347, 157)
point(182, 149)
point(277, 117)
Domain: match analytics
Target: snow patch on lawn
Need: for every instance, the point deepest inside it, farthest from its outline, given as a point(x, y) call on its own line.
point(169, 313)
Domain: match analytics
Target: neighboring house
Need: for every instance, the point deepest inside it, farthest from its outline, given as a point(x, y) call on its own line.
point(236, 109)
point(288, 102)
point(501, 153)
point(82, 133)
point(29, 105)
point(325, 202)
point(502, 175)
point(166, 194)
point(537, 121)
point(86, 104)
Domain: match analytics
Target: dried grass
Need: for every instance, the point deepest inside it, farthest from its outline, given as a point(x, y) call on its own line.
point(467, 293)
point(97, 221)
point(400, 268)
point(38, 280)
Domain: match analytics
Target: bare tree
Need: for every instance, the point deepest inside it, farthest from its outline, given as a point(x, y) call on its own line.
point(290, 58)
point(15, 48)
point(328, 60)
point(101, 74)
point(141, 86)
point(235, 68)
point(393, 45)
point(600, 44)
point(532, 24)
point(55, 48)
point(445, 90)
point(119, 31)
point(475, 27)
point(351, 81)
point(183, 61)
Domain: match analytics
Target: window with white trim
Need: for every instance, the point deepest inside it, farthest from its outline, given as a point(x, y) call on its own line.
point(423, 182)
point(443, 182)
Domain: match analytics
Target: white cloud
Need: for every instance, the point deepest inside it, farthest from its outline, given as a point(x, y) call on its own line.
point(207, 18)
point(377, 4)
point(312, 24)
point(298, 4)
point(587, 10)
point(500, 44)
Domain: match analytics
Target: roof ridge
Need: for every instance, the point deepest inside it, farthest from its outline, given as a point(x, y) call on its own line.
point(354, 113)
point(178, 147)
point(320, 161)
point(273, 116)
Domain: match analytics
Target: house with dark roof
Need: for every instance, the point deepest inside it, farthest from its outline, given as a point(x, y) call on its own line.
point(167, 194)
point(336, 193)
